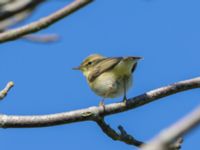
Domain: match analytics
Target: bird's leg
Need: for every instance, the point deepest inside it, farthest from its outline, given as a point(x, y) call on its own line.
point(124, 84)
point(106, 95)
point(101, 103)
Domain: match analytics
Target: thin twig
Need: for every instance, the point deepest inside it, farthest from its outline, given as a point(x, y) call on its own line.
point(123, 136)
point(5, 91)
point(176, 145)
point(46, 38)
point(39, 38)
point(44, 22)
point(91, 113)
point(168, 136)
point(14, 20)
point(16, 7)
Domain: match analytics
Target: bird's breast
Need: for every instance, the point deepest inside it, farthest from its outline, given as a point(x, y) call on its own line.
point(110, 84)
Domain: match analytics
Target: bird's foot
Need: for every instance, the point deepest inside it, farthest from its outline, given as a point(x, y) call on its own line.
point(101, 104)
point(124, 100)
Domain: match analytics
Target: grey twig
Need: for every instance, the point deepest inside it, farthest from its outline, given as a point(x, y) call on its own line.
point(14, 11)
point(46, 38)
point(123, 136)
point(44, 22)
point(176, 145)
point(12, 8)
point(14, 20)
point(168, 136)
point(92, 113)
point(5, 91)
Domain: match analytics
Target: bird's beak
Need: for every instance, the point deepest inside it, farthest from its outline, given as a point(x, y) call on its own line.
point(77, 68)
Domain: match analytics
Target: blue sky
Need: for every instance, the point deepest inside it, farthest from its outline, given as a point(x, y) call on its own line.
point(165, 33)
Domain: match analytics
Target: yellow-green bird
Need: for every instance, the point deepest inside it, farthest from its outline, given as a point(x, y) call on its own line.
point(109, 77)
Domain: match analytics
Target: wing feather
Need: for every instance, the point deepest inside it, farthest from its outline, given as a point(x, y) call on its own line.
point(102, 66)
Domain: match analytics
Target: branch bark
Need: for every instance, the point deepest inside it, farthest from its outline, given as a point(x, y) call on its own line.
point(123, 136)
point(20, 6)
point(168, 136)
point(92, 113)
point(45, 38)
point(14, 20)
point(44, 22)
point(5, 91)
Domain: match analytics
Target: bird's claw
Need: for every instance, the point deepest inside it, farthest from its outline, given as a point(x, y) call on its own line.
point(101, 104)
point(124, 99)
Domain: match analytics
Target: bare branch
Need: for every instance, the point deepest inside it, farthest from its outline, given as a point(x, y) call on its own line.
point(14, 20)
point(44, 22)
point(47, 38)
point(92, 113)
point(123, 136)
point(5, 91)
point(168, 136)
point(176, 145)
point(14, 11)
point(11, 8)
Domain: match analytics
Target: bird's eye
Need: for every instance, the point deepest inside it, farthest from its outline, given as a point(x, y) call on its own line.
point(89, 63)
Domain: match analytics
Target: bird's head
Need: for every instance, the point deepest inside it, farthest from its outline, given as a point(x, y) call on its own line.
point(88, 63)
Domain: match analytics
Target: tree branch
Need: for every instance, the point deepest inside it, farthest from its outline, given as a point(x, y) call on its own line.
point(44, 22)
point(5, 91)
point(16, 7)
point(168, 136)
point(14, 11)
point(92, 113)
point(14, 20)
point(45, 38)
point(123, 136)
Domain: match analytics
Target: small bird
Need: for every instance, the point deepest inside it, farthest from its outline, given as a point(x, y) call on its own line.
point(109, 77)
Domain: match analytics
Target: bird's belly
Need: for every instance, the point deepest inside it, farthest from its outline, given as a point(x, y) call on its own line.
point(108, 85)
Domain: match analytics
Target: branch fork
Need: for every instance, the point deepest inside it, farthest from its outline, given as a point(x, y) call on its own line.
point(123, 136)
point(97, 114)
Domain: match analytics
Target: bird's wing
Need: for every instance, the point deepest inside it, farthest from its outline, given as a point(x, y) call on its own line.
point(133, 58)
point(102, 66)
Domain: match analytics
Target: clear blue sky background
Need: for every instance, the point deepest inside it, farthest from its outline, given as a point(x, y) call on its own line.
point(165, 32)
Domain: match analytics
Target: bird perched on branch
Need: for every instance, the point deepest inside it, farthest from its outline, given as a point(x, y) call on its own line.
point(109, 77)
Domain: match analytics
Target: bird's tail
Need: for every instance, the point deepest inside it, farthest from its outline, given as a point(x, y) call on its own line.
point(132, 58)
